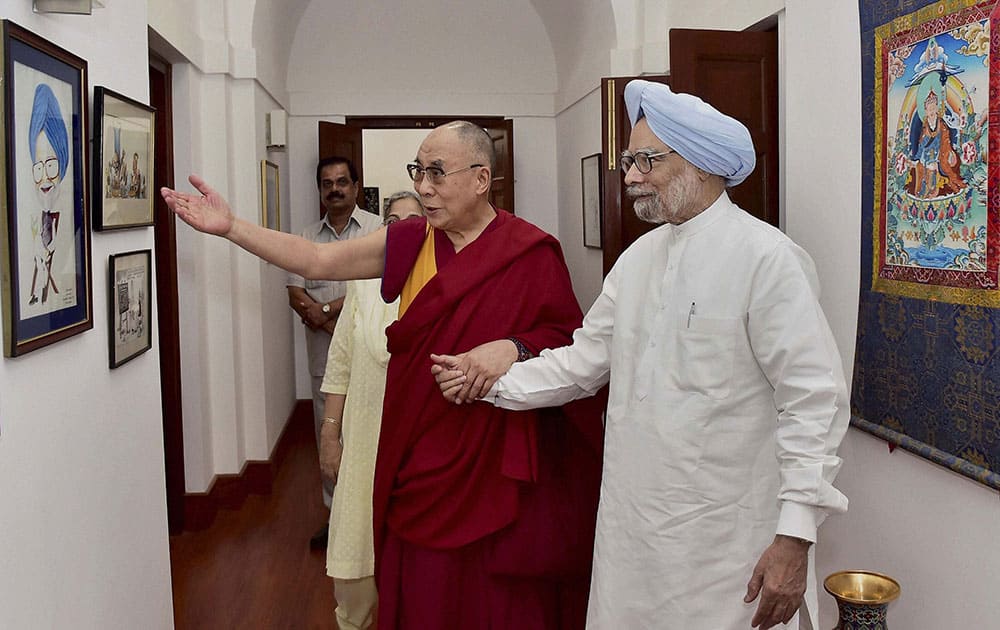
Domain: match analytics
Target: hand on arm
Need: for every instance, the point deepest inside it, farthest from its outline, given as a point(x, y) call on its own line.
point(780, 580)
point(449, 378)
point(468, 376)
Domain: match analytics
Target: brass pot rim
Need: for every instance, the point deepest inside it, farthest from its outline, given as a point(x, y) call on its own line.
point(891, 594)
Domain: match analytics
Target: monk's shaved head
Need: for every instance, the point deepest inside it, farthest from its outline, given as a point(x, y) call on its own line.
point(477, 140)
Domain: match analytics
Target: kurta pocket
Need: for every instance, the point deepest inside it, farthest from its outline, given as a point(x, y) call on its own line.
point(704, 361)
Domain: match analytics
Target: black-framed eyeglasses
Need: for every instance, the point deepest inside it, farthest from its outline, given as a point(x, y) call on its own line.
point(45, 169)
point(434, 174)
point(643, 160)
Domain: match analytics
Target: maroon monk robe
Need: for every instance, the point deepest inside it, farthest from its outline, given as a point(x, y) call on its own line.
point(510, 495)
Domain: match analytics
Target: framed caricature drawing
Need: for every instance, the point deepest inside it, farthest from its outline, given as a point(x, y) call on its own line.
point(44, 223)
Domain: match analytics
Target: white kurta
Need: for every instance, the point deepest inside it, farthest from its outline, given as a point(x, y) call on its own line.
point(727, 405)
point(356, 367)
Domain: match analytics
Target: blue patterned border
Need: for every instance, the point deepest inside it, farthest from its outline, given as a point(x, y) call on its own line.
point(937, 456)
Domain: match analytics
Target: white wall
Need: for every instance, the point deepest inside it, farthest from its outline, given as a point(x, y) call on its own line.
point(578, 131)
point(82, 499)
point(420, 56)
point(278, 348)
point(581, 38)
point(387, 151)
point(236, 344)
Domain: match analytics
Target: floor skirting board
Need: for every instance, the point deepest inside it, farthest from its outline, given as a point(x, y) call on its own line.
point(228, 492)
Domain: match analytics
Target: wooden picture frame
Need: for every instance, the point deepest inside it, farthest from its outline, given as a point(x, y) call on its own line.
point(46, 280)
point(270, 195)
point(129, 305)
point(593, 201)
point(123, 161)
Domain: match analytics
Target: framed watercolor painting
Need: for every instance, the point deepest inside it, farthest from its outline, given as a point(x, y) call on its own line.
point(129, 300)
point(123, 161)
point(45, 218)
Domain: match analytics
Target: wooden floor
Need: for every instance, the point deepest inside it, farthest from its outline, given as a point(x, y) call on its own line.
point(253, 568)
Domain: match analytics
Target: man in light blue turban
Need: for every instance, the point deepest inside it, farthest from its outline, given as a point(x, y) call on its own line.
point(727, 395)
point(698, 132)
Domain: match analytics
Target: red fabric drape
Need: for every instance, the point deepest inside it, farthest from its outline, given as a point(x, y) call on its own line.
point(448, 475)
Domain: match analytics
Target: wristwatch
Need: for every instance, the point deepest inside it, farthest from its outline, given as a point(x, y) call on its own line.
point(326, 308)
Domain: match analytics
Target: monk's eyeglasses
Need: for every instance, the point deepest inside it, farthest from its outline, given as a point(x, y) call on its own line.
point(434, 174)
point(643, 160)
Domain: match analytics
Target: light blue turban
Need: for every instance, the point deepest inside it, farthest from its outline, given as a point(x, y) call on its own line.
point(46, 116)
point(701, 134)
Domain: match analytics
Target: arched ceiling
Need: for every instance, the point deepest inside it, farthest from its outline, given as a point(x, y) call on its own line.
point(528, 45)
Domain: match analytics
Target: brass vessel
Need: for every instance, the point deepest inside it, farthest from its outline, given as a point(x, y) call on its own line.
point(862, 598)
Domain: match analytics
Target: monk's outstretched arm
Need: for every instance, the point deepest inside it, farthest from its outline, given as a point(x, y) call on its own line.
point(210, 213)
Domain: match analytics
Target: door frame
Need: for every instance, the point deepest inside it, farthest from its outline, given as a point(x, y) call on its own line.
point(431, 122)
point(168, 322)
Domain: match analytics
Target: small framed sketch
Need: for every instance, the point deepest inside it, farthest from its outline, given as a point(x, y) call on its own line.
point(45, 264)
point(123, 161)
point(270, 196)
point(593, 212)
point(371, 200)
point(129, 301)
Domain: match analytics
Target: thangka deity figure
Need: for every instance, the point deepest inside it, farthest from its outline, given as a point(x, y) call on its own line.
point(932, 157)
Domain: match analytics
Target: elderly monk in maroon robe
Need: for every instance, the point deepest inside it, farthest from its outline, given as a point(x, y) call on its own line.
point(483, 518)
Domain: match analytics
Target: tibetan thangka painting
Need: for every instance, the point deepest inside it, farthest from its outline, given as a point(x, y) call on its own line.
point(935, 231)
point(927, 367)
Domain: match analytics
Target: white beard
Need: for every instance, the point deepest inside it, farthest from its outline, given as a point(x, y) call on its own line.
point(673, 204)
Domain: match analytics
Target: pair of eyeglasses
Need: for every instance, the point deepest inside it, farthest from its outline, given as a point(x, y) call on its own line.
point(434, 174)
point(643, 160)
point(45, 168)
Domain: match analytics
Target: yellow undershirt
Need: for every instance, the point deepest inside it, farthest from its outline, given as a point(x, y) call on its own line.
point(423, 270)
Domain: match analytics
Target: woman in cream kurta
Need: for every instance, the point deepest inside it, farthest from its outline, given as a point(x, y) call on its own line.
point(355, 386)
point(356, 367)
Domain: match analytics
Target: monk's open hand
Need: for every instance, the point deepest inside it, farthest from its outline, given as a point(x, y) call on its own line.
point(480, 368)
point(780, 578)
point(206, 212)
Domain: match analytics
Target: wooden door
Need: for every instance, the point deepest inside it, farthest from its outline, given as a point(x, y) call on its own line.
point(340, 140)
point(737, 72)
point(501, 131)
point(168, 322)
point(620, 225)
point(502, 189)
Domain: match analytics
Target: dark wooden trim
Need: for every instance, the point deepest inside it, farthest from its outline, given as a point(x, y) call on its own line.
point(770, 23)
point(228, 492)
point(418, 122)
point(167, 319)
